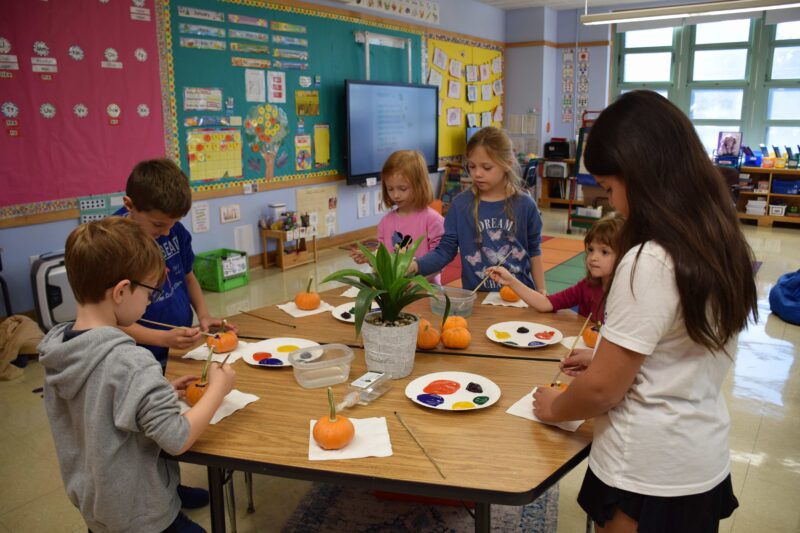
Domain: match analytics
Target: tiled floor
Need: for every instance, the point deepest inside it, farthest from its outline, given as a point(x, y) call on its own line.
point(763, 394)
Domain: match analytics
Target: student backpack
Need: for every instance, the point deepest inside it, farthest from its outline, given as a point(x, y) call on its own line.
point(784, 298)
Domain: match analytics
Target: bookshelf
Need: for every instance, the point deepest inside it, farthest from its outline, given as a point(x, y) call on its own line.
point(771, 176)
point(555, 191)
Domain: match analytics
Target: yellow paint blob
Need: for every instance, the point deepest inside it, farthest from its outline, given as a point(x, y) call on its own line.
point(501, 334)
point(287, 348)
point(463, 405)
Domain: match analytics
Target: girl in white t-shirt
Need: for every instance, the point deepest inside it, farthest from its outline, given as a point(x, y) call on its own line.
point(682, 290)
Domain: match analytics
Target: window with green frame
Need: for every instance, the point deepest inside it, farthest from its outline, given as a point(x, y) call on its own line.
point(733, 75)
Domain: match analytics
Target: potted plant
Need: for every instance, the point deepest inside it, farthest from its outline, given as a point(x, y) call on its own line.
point(390, 335)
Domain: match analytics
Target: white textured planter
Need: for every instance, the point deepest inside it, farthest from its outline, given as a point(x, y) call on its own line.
point(390, 349)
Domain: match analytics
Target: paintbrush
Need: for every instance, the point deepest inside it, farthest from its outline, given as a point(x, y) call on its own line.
point(421, 447)
point(487, 277)
point(267, 319)
point(226, 359)
point(572, 348)
point(171, 326)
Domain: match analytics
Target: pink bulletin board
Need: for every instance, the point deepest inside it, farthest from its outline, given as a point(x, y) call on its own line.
point(60, 80)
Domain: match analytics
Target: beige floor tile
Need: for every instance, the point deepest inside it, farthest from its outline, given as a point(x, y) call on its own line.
point(61, 515)
point(766, 503)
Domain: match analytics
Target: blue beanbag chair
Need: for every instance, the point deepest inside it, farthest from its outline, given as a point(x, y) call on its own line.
point(784, 298)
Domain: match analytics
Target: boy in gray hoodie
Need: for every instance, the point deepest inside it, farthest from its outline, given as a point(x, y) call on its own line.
point(111, 410)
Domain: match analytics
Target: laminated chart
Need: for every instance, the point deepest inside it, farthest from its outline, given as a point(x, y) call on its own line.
point(214, 154)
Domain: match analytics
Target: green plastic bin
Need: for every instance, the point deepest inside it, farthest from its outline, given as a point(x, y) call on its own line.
point(221, 270)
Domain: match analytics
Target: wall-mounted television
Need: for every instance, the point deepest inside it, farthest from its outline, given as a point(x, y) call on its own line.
point(385, 117)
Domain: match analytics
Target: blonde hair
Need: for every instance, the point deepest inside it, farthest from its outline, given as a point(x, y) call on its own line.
point(411, 165)
point(500, 150)
point(605, 231)
point(102, 253)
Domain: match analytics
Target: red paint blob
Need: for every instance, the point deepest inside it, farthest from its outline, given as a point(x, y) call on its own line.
point(545, 335)
point(258, 356)
point(442, 386)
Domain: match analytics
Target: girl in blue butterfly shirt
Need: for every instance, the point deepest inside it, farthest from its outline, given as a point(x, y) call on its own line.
point(495, 219)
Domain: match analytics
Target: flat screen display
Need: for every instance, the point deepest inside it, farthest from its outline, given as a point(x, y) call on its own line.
point(383, 118)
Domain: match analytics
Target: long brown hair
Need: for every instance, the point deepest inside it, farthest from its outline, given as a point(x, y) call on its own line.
point(677, 199)
point(499, 148)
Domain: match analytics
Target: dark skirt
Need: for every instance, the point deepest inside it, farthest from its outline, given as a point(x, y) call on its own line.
point(696, 513)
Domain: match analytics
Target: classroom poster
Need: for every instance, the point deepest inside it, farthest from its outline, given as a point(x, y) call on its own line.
point(302, 150)
point(322, 142)
point(319, 203)
point(276, 87)
point(306, 103)
point(214, 153)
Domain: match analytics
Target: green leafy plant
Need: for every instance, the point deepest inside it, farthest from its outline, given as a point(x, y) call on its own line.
point(388, 285)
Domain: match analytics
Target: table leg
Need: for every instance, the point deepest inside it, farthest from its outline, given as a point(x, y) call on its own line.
point(217, 500)
point(483, 517)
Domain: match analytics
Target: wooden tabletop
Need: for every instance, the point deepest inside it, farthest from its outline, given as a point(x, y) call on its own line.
point(325, 329)
point(487, 454)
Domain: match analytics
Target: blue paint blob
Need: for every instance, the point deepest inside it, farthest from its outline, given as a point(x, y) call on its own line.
point(272, 361)
point(430, 399)
point(537, 343)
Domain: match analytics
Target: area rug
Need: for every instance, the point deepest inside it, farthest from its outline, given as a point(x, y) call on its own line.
point(333, 509)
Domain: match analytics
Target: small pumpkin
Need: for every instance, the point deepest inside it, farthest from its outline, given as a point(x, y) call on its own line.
point(456, 338)
point(195, 391)
point(590, 336)
point(333, 432)
point(454, 322)
point(508, 294)
point(427, 337)
point(224, 342)
point(307, 301)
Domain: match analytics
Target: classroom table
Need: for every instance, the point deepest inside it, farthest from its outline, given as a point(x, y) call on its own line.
point(325, 329)
point(487, 455)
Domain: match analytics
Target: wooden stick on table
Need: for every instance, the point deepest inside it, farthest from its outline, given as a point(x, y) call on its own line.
point(421, 447)
point(171, 326)
point(267, 319)
point(572, 348)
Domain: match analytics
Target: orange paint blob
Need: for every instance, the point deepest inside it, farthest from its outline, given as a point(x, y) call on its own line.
point(258, 356)
point(442, 386)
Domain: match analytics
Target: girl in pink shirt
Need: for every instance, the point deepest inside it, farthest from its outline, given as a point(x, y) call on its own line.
point(589, 293)
point(407, 192)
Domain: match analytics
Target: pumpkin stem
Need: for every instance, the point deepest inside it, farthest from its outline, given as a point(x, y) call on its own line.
point(308, 288)
point(208, 362)
point(332, 417)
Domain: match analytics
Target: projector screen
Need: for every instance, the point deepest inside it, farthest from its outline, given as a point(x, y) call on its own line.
point(383, 118)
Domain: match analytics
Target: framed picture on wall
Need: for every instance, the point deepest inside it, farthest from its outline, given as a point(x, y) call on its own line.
point(729, 142)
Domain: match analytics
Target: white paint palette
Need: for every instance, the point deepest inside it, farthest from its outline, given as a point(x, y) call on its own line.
point(453, 391)
point(523, 334)
point(346, 312)
point(274, 353)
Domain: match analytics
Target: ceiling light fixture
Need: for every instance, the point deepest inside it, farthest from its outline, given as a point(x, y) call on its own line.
point(684, 11)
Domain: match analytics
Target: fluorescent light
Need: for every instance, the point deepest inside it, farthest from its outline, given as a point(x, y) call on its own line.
point(687, 10)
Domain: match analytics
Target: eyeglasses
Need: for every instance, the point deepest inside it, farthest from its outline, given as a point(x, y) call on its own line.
point(155, 292)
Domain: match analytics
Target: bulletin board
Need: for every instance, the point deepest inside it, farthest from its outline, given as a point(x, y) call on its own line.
point(80, 100)
point(449, 60)
point(263, 84)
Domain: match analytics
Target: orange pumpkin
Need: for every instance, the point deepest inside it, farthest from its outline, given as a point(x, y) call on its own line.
point(333, 432)
point(427, 337)
point(590, 336)
point(508, 294)
point(195, 391)
point(227, 341)
point(307, 301)
point(456, 338)
point(454, 322)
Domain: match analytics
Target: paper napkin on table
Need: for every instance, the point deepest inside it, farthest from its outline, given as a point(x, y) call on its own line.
point(201, 353)
point(493, 298)
point(352, 292)
point(524, 408)
point(567, 342)
point(371, 440)
point(292, 309)
point(233, 401)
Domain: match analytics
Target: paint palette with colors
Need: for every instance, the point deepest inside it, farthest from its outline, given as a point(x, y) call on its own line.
point(274, 353)
point(346, 312)
point(523, 334)
point(453, 391)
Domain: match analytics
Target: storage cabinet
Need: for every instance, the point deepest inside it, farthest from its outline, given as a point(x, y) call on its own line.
point(556, 191)
point(782, 188)
point(288, 257)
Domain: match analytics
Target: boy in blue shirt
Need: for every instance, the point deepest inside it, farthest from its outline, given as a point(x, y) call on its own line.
point(110, 408)
point(157, 196)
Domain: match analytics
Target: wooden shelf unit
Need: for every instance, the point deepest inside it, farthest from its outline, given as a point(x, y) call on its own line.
point(758, 173)
point(286, 258)
point(545, 200)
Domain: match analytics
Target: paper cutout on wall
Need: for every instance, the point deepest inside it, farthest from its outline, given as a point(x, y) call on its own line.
point(302, 150)
point(265, 128)
point(306, 103)
point(214, 154)
point(322, 142)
